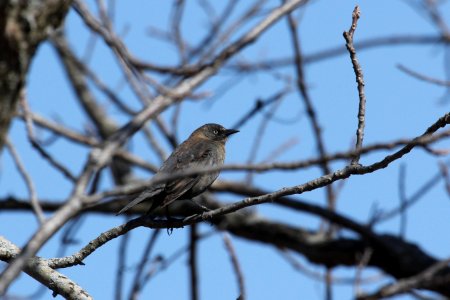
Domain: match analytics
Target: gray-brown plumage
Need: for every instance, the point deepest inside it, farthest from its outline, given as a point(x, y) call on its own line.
point(205, 147)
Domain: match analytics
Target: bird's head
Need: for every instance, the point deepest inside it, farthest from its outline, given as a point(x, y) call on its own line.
point(214, 132)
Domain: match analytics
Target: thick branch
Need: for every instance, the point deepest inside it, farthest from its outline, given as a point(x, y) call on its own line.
point(38, 269)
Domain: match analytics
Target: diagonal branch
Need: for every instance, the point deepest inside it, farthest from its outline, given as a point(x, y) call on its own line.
point(28, 182)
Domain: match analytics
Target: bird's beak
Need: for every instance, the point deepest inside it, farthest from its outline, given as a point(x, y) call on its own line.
point(230, 131)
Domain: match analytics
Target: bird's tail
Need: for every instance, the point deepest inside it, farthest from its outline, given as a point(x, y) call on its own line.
point(145, 195)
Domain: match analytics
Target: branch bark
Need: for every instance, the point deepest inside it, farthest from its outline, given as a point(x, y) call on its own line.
point(39, 269)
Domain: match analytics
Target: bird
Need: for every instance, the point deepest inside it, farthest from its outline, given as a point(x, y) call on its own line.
point(205, 147)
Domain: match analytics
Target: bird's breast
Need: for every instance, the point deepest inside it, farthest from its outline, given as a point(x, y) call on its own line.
point(214, 157)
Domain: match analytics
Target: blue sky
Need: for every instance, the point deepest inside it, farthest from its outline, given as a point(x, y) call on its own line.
point(398, 106)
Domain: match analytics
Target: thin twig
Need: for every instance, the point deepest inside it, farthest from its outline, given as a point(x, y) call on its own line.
point(31, 137)
point(28, 182)
point(423, 77)
point(283, 147)
point(318, 276)
point(61, 130)
point(348, 35)
point(403, 199)
point(421, 280)
point(176, 19)
point(87, 140)
point(138, 276)
point(120, 50)
point(215, 26)
point(193, 264)
point(257, 141)
point(321, 55)
point(225, 36)
point(444, 171)
point(121, 267)
point(413, 199)
point(329, 283)
point(259, 105)
point(62, 46)
point(236, 266)
point(154, 144)
point(367, 255)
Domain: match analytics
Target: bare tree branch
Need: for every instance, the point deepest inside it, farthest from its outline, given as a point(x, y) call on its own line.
point(39, 269)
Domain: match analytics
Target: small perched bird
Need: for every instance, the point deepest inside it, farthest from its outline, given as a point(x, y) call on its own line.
point(205, 147)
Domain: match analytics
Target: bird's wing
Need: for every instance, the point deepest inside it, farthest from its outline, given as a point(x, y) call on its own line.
point(143, 196)
point(188, 155)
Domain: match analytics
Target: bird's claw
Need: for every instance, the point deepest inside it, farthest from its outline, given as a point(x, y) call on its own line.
point(205, 216)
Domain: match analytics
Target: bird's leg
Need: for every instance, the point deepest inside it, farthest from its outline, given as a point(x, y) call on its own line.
point(149, 212)
point(204, 208)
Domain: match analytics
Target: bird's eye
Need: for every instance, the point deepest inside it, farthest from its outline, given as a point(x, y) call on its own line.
point(216, 131)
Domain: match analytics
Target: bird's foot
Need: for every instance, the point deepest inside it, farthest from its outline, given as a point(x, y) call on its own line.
point(169, 220)
point(206, 216)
